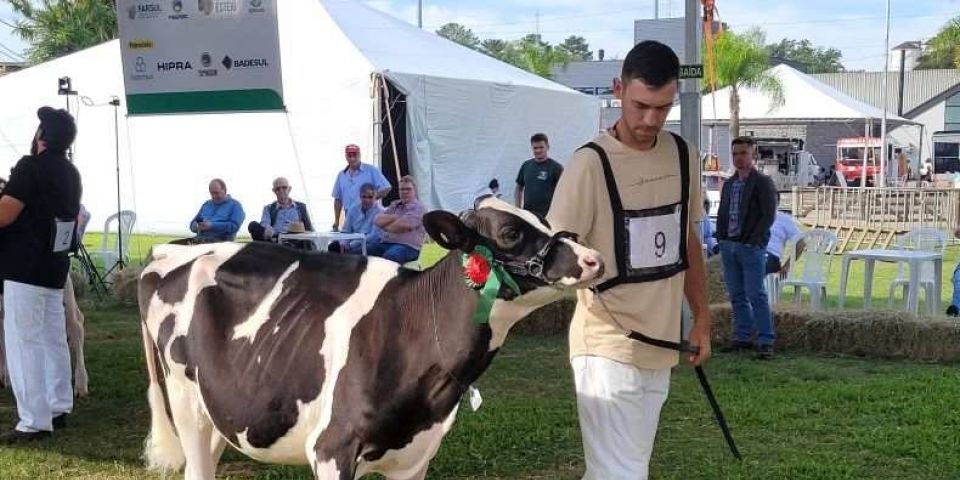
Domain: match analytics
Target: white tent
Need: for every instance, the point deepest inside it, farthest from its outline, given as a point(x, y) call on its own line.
point(468, 118)
point(805, 99)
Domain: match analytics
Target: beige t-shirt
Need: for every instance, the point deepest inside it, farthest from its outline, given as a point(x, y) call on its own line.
point(581, 205)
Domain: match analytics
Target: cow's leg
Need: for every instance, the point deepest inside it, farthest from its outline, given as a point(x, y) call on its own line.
point(75, 335)
point(194, 430)
point(419, 475)
point(336, 456)
point(216, 448)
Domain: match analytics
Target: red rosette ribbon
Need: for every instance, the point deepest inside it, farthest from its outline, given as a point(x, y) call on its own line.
point(476, 270)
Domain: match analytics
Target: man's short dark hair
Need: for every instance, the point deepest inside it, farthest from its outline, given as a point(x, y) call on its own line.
point(57, 129)
point(651, 62)
point(368, 188)
point(223, 185)
point(744, 140)
point(539, 137)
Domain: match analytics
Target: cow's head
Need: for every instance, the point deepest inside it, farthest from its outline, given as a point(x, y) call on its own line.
point(522, 243)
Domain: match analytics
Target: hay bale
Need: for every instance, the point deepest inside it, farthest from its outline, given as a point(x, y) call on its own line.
point(552, 319)
point(124, 288)
point(875, 333)
point(716, 288)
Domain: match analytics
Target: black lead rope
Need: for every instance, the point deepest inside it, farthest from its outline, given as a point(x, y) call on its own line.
point(684, 346)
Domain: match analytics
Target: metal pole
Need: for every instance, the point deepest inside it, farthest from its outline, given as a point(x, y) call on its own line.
point(420, 14)
point(656, 9)
point(883, 99)
point(903, 64)
point(867, 135)
point(116, 138)
point(690, 88)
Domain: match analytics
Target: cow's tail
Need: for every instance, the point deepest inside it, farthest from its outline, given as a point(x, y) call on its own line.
point(162, 449)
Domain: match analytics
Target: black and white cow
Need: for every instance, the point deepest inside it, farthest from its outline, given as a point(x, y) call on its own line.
point(349, 364)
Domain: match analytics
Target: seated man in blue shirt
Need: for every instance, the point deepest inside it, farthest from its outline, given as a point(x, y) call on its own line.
point(219, 218)
point(360, 220)
point(282, 216)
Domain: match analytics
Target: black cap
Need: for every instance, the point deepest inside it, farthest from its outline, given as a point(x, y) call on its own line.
point(58, 128)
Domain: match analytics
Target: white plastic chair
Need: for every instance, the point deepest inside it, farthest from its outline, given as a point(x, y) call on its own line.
point(814, 271)
point(922, 240)
point(108, 246)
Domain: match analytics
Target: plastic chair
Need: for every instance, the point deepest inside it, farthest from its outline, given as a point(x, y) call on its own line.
point(772, 283)
point(814, 271)
point(922, 240)
point(108, 249)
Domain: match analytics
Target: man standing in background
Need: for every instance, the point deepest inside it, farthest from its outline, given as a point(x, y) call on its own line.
point(538, 178)
point(346, 189)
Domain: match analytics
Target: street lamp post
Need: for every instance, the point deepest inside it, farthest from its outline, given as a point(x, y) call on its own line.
point(883, 100)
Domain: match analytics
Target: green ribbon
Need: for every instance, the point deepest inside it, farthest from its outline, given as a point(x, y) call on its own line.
point(488, 292)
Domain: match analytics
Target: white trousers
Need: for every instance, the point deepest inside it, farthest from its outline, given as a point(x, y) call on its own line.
point(37, 354)
point(619, 409)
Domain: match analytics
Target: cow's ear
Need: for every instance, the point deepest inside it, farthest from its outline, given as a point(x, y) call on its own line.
point(448, 230)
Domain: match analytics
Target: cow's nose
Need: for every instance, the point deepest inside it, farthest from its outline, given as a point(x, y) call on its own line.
point(592, 265)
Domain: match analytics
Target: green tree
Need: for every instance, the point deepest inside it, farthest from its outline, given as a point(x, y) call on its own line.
point(943, 50)
point(459, 34)
point(741, 61)
point(501, 50)
point(816, 59)
point(578, 48)
point(539, 57)
point(53, 28)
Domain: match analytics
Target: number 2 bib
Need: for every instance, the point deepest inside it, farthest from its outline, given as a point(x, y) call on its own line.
point(650, 244)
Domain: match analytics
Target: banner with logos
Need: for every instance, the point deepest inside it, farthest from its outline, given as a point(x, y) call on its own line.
point(183, 56)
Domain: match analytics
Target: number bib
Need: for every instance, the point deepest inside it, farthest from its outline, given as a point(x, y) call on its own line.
point(63, 236)
point(650, 244)
point(653, 237)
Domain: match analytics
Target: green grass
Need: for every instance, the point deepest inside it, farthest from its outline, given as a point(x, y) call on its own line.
point(883, 276)
point(799, 417)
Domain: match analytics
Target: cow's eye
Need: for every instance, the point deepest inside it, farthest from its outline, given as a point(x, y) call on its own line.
point(510, 235)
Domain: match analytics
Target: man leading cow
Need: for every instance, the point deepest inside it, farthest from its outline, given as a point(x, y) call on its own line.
point(634, 194)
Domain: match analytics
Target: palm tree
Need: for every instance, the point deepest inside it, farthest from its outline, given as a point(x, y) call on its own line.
point(54, 28)
point(943, 50)
point(742, 62)
point(536, 56)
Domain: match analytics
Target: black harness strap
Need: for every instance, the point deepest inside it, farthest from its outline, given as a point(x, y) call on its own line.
point(620, 224)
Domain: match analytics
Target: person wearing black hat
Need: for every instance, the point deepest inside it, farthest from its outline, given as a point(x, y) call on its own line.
point(38, 212)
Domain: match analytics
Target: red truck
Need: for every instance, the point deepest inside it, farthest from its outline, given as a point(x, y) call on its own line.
point(850, 152)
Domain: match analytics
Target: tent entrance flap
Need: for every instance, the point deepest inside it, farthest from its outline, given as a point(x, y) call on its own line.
point(393, 135)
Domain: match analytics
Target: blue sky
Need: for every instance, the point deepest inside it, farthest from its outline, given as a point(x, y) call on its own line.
point(856, 27)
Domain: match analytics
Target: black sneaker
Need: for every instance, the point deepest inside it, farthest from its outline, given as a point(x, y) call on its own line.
point(60, 421)
point(764, 352)
point(737, 346)
point(16, 437)
point(952, 311)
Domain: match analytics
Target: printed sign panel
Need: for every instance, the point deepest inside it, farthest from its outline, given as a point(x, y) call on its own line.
point(184, 56)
